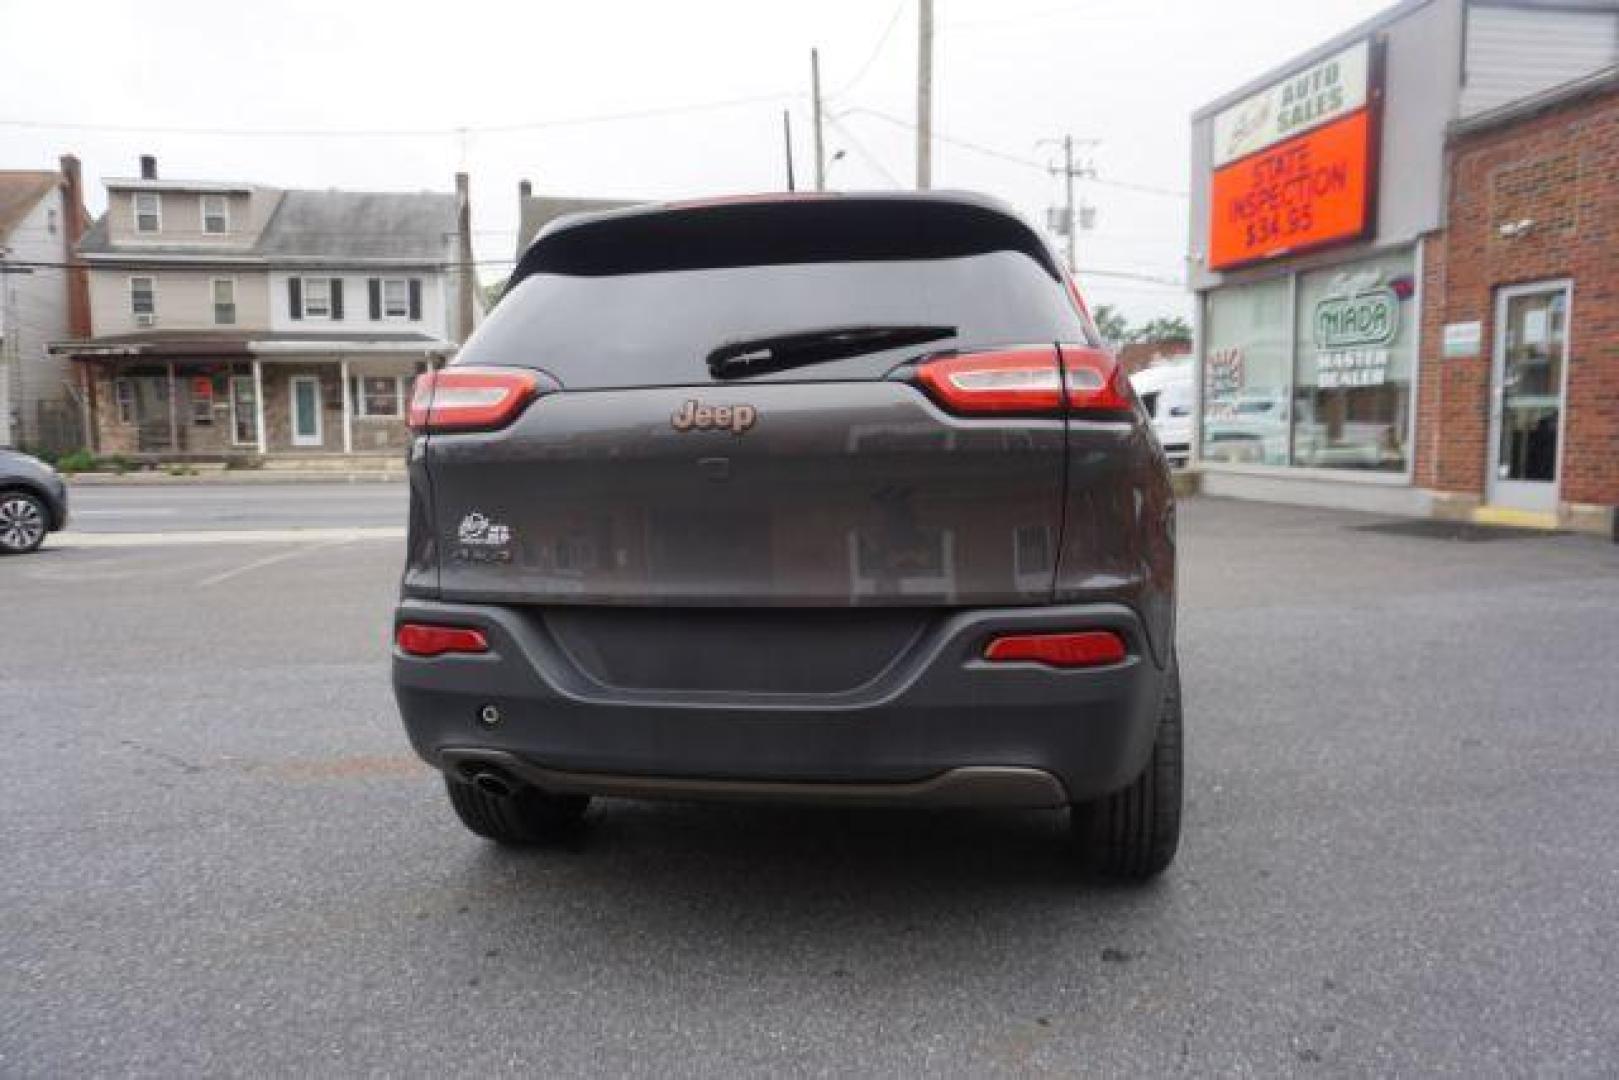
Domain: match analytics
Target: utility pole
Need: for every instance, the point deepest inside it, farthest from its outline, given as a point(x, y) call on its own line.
point(787, 137)
point(1068, 188)
point(815, 100)
point(1070, 172)
point(924, 96)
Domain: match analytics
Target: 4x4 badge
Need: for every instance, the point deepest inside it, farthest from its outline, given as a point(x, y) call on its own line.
point(695, 416)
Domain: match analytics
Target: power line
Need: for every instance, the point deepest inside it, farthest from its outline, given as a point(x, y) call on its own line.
point(893, 21)
point(402, 133)
point(870, 158)
point(1014, 159)
point(135, 264)
point(1131, 275)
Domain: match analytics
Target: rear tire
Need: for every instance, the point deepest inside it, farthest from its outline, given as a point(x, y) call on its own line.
point(525, 818)
point(1132, 835)
point(24, 521)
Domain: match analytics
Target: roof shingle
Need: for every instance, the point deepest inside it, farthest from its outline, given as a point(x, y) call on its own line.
point(19, 191)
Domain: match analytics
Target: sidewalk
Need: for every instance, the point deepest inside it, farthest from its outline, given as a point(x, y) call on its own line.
point(158, 477)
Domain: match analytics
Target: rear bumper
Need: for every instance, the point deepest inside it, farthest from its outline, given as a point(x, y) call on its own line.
point(939, 726)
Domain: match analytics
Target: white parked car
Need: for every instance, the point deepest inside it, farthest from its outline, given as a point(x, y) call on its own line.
point(1165, 389)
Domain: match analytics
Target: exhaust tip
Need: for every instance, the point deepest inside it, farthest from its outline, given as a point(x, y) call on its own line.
point(492, 783)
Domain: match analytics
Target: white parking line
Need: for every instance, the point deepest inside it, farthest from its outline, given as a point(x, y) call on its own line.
point(144, 511)
point(268, 560)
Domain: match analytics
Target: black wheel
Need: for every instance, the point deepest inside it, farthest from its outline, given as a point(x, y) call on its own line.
point(23, 522)
point(1131, 835)
point(525, 817)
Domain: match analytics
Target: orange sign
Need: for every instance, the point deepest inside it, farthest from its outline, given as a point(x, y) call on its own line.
point(1311, 190)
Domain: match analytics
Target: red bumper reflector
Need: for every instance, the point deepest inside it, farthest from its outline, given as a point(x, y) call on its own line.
point(1086, 648)
point(421, 639)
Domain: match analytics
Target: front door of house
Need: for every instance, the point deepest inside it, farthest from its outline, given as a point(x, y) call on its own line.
point(244, 411)
point(1526, 414)
point(305, 411)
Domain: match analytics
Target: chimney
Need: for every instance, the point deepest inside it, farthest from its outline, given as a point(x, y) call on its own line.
point(467, 284)
point(525, 190)
point(148, 167)
point(74, 224)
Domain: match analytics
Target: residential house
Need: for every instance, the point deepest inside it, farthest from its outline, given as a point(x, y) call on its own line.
point(534, 212)
point(235, 320)
point(41, 300)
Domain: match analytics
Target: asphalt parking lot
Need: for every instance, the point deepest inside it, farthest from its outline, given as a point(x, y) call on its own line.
point(1400, 855)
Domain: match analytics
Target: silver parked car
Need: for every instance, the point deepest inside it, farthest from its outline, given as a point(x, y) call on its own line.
point(33, 502)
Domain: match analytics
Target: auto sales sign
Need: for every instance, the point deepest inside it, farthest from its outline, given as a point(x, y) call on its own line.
point(1293, 163)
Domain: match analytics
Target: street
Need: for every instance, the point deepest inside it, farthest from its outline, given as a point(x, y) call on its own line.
point(175, 508)
point(221, 856)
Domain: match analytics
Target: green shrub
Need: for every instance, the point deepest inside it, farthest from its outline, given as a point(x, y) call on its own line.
point(76, 462)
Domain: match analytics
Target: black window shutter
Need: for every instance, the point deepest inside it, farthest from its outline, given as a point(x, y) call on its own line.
point(415, 299)
point(374, 287)
point(337, 298)
point(295, 297)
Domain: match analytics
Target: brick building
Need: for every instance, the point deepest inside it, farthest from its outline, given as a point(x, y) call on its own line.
point(1405, 245)
point(1531, 241)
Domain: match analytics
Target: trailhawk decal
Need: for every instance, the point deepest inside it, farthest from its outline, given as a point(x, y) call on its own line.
point(695, 416)
point(482, 540)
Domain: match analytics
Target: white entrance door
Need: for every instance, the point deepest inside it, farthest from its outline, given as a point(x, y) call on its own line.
point(1530, 372)
point(244, 411)
point(306, 411)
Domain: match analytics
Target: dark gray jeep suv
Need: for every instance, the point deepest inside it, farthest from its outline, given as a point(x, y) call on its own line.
point(830, 498)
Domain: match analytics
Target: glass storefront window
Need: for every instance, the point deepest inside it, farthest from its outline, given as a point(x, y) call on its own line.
point(1248, 345)
point(1312, 370)
point(1357, 335)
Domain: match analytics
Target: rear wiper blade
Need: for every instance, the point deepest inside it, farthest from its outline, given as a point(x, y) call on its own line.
point(780, 352)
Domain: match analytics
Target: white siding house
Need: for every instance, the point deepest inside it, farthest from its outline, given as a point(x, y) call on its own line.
point(233, 320)
point(37, 216)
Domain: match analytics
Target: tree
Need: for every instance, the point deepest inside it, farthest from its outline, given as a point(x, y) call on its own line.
point(1164, 330)
point(491, 294)
point(1111, 324)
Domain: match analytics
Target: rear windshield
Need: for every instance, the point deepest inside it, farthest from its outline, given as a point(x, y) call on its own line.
point(598, 315)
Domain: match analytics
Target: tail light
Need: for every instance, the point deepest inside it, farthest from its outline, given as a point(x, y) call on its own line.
point(1026, 380)
point(1006, 381)
point(1096, 383)
point(1085, 648)
point(426, 639)
point(471, 399)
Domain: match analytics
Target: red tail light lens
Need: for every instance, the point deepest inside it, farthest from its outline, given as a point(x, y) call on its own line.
point(424, 639)
point(1028, 379)
point(471, 399)
point(1086, 648)
point(1096, 383)
point(1022, 380)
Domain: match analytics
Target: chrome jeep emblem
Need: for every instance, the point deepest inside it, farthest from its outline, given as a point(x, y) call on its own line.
point(695, 416)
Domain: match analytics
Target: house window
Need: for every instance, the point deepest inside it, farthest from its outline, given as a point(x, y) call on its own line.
point(395, 298)
point(143, 296)
point(318, 297)
point(379, 395)
point(224, 301)
point(124, 394)
point(50, 220)
point(148, 211)
point(215, 214)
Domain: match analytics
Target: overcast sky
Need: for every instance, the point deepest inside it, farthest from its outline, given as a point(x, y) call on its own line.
point(1008, 74)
